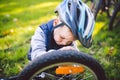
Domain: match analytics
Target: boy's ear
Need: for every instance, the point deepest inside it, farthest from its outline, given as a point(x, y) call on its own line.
point(55, 22)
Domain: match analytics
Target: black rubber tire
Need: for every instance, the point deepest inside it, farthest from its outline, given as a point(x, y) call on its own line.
point(97, 7)
point(94, 5)
point(106, 6)
point(115, 18)
point(60, 56)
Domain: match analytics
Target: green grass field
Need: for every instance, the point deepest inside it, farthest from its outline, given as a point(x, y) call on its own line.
point(18, 21)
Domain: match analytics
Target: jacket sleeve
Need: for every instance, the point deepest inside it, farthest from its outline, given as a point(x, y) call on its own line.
point(38, 43)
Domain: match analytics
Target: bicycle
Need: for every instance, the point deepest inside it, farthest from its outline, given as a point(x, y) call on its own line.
point(63, 65)
point(110, 7)
point(94, 6)
point(106, 6)
point(101, 6)
point(115, 18)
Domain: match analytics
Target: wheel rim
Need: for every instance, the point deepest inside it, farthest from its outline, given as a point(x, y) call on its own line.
point(88, 74)
point(117, 20)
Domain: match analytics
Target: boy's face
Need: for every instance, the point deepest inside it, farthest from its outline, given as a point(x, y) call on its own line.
point(63, 35)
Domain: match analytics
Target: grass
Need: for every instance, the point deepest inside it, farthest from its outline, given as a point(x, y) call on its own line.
point(105, 48)
point(18, 21)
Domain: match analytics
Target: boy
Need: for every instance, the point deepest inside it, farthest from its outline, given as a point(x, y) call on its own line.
point(75, 21)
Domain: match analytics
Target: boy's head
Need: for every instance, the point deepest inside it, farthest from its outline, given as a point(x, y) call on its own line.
point(62, 35)
point(78, 18)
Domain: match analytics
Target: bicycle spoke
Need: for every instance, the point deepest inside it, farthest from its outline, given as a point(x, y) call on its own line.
point(87, 77)
point(47, 75)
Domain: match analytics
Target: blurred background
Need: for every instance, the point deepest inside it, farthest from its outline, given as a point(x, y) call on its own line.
point(18, 21)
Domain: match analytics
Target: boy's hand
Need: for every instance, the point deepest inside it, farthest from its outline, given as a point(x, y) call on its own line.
point(67, 48)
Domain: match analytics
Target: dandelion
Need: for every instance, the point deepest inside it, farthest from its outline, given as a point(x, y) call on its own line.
point(7, 15)
point(11, 30)
point(30, 28)
point(15, 19)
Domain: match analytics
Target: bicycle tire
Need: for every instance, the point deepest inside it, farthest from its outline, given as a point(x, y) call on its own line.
point(60, 56)
point(97, 7)
point(115, 18)
point(94, 6)
point(106, 6)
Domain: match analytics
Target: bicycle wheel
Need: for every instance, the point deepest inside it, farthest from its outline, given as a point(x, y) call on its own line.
point(109, 7)
point(48, 67)
point(94, 5)
point(115, 18)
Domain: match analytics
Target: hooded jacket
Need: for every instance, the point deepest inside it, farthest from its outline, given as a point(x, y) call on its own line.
point(42, 41)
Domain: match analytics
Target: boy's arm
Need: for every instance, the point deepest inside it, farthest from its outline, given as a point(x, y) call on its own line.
point(38, 44)
point(73, 46)
point(39, 47)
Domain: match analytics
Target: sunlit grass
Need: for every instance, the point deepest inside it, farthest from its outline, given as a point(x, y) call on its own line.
point(10, 4)
point(18, 22)
point(30, 8)
point(16, 36)
point(18, 28)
